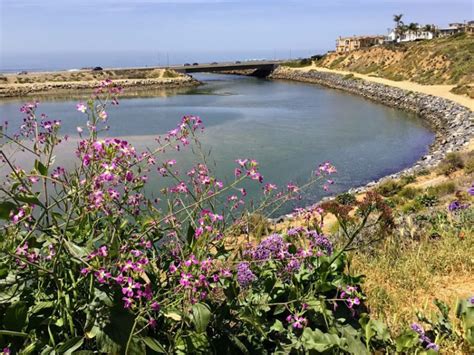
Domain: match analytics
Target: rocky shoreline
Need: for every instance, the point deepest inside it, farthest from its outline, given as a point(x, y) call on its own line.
point(452, 123)
point(55, 88)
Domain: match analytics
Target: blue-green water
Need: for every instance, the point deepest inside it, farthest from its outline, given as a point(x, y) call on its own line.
point(288, 127)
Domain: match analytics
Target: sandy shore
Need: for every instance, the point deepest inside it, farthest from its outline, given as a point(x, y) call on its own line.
point(435, 90)
point(64, 82)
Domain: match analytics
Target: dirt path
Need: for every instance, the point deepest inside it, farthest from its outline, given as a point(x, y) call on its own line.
point(435, 90)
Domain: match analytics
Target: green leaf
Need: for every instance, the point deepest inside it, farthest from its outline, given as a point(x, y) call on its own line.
point(154, 345)
point(3, 271)
point(319, 341)
point(173, 315)
point(190, 235)
point(29, 199)
point(29, 349)
point(277, 326)
point(353, 341)
point(70, 345)
point(194, 343)
point(41, 305)
point(6, 207)
point(15, 316)
point(119, 328)
point(243, 349)
point(41, 168)
point(407, 341)
point(201, 316)
point(13, 334)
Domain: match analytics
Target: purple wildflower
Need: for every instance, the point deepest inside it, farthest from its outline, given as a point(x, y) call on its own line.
point(321, 241)
point(470, 191)
point(245, 276)
point(456, 206)
point(271, 247)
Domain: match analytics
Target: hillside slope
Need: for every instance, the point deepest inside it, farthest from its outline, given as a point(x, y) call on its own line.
point(439, 61)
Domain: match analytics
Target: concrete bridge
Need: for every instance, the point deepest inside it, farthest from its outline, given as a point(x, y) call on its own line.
point(254, 68)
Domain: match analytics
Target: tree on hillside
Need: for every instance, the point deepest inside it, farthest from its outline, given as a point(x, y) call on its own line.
point(398, 20)
point(399, 23)
point(430, 28)
point(413, 26)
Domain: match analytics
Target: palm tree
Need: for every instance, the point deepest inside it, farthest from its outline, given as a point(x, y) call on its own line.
point(399, 22)
point(398, 19)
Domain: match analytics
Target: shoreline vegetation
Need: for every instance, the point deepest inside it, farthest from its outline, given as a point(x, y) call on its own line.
point(83, 81)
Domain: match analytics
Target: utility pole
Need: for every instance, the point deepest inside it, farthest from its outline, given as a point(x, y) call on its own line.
point(167, 59)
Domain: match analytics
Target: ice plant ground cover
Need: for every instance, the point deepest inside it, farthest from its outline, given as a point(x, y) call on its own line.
point(89, 263)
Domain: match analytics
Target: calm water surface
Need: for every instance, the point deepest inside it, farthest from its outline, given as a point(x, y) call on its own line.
point(288, 127)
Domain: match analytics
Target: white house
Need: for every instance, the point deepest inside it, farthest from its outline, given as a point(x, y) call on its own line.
point(409, 36)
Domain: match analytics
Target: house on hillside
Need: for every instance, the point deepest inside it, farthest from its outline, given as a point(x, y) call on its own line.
point(347, 44)
point(409, 36)
point(456, 27)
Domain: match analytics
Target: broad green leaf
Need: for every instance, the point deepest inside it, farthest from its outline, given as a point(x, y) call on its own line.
point(201, 316)
point(41, 168)
point(3, 271)
point(154, 345)
point(277, 326)
point(319, 341)
point(353, 341)
point(6, 207)
point(15, 316)
point(70, 345)
point(91, 334)
point(41, 305)
point(407, 341)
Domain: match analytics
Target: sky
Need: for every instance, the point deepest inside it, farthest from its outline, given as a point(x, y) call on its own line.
point(54, 30)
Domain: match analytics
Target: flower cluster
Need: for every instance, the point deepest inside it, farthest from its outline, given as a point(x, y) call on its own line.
point(245, 276)
point(296, 321)
point(425, 340)
point(272, 247)
point(457, 205)
point(197, 278)
point(351, 296)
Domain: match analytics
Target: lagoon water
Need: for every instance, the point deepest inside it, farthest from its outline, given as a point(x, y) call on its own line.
point(288, 127)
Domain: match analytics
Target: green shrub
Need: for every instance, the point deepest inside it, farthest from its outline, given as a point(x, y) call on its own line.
point(389, 188)
point(299, 63)
point(411, 207)
point(427, 200)
point(442, 189)
point(408, 179)
point(469, 163)
point(423, 172)
point(450, 164)
point(409, 192)
point(346, 199)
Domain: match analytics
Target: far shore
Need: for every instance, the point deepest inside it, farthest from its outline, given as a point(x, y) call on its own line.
point(79, 82)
